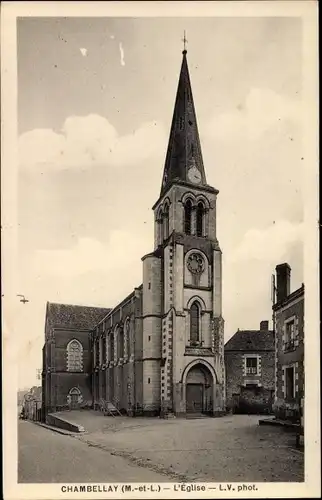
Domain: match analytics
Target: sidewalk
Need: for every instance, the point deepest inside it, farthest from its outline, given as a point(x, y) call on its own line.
point(281, 423)
point(54, 429)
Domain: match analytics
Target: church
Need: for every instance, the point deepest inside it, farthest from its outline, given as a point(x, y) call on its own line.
point(161, 350)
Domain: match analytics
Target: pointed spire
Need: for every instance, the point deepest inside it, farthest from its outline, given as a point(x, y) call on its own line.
point(184, 157)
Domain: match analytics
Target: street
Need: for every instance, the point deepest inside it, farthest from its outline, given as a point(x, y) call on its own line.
point(45, 456)
point(231, 448)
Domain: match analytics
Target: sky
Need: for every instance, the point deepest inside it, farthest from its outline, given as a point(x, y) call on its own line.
point(95, 103)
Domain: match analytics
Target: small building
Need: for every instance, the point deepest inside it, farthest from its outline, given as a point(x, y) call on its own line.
point(249, 365)
point(32, 403)
point(288, 313)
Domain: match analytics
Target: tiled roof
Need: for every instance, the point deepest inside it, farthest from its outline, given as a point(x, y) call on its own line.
point(251, 340)
point(70, 316)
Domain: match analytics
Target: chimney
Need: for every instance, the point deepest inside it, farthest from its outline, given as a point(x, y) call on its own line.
point(283, 278)
point(263, 326)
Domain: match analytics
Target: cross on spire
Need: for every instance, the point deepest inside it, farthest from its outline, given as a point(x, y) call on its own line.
point(185, 41)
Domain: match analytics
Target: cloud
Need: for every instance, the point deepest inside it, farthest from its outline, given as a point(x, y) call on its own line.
point(268, 244)
point(122, 54)
point(89, 256)
point(87, 141)
point(261, 110)
point(248, 268)
point(83, 52)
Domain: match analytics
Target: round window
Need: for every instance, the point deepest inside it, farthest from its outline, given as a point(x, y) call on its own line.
point(195, 263)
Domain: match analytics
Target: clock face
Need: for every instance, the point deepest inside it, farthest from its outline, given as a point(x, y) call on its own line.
point(194, 175)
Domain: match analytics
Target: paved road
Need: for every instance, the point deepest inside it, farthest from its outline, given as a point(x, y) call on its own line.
point(45, 456)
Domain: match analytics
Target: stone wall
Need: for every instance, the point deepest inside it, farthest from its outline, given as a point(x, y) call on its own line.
point(236, 392)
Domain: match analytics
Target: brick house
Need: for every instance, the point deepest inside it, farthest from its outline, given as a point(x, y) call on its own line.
point(288, 312)
point(249, 365)
point(160, 350)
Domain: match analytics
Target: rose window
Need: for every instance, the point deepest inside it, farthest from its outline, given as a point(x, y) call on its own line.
point(195, 263)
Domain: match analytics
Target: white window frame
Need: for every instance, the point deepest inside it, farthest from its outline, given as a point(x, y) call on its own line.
point(246, 368)
point(258, 367)
point(293, 342)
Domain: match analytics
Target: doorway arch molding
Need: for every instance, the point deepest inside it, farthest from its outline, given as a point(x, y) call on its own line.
point(196, 362)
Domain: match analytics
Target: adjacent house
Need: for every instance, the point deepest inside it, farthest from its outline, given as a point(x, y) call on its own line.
point(288, 313)
point(249, 364)
point(32, 403)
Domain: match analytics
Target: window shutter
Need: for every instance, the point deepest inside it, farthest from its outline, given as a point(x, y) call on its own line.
point(296, 327)
point(283, 381)
point(244, 365)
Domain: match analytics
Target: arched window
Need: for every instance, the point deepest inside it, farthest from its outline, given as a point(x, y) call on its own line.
point(104, 349)
point(187, 216)
point(74, 356)
point(166, 221)
point(200, 219)
point(96, 349)
point(111, 350)
point(160, 223)
point(101, 348)
point(127, 338)
point(194, 323)
point(120, 347)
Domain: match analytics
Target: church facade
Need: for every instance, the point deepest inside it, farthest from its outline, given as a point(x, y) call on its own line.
point(161, 350)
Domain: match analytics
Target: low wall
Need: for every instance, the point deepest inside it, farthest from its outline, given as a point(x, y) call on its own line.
point(57, 421)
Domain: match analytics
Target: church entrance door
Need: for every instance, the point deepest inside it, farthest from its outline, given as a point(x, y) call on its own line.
point(74, 401)
point(74, 398)
point(199, 390)
point(194, 397)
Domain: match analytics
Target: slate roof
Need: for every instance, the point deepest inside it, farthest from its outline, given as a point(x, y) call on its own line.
point(184, 148)
point(251, 340)
point(73, 316)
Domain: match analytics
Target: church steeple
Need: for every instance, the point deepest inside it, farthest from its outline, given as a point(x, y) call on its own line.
point(184, 157)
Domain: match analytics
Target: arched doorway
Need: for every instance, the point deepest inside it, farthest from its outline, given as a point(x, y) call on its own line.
point(199, 389)
point(74, 398)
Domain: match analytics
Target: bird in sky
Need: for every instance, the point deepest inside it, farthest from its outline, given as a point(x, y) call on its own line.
point(23, 298)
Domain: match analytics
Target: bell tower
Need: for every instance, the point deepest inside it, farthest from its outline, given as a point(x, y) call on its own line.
point(182, 278)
